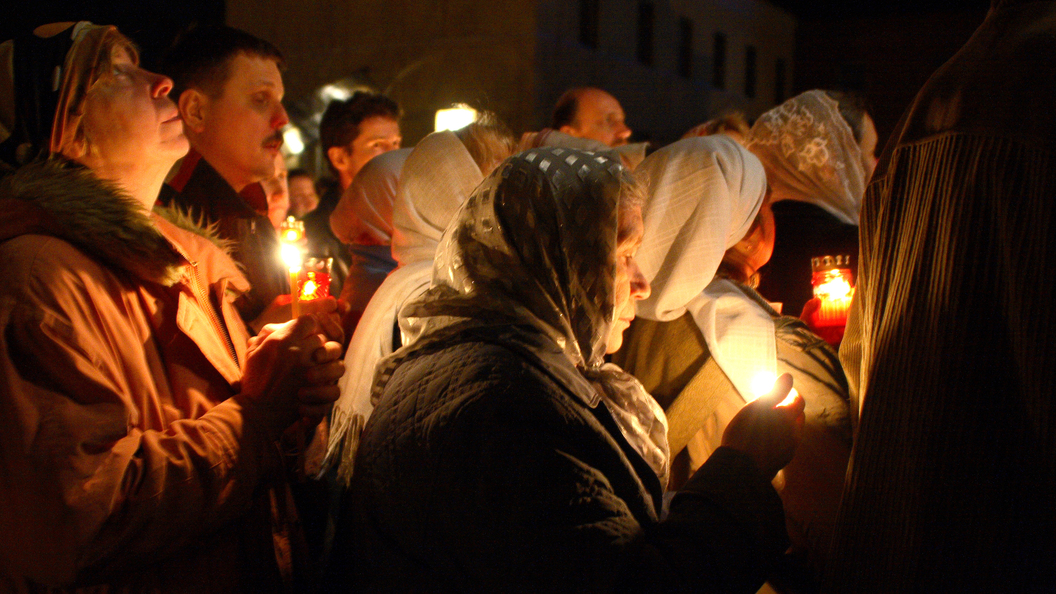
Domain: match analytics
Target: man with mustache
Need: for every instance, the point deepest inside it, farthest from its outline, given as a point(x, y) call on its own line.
point(228, 87)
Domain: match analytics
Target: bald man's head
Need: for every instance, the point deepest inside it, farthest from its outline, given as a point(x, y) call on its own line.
point(587, 112)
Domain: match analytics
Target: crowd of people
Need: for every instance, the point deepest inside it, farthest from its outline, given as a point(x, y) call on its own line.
point(559, 362)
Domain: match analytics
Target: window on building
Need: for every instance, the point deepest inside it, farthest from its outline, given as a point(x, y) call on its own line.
point(588, 23)
point(718, 62)
point(779, 81)
point(749, 71)
point(645, 32)
point(685, 47)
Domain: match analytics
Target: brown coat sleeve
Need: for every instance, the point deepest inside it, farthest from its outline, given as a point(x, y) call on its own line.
point(95, 473)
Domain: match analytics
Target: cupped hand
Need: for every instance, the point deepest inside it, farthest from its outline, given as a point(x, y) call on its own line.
point(769, 428)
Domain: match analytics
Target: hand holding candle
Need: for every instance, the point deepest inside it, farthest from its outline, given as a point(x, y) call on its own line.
point(768, 429)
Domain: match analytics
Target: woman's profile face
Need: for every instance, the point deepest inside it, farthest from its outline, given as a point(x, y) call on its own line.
point(129, 120)
point(631, 284)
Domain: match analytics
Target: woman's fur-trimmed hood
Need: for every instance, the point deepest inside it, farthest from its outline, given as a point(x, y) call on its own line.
point(58, 198)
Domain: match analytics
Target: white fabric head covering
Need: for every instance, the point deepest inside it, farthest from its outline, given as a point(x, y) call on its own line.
point(437, 177)
point(704, 194)
point(810, 155)
point(364, 214)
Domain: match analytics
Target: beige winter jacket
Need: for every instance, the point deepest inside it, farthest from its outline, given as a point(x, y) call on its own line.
point(125, 461)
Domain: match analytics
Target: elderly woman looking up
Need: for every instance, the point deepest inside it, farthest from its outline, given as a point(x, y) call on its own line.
point(818, 149)
point(705, 340)
point(138, 429)
point(504, 455)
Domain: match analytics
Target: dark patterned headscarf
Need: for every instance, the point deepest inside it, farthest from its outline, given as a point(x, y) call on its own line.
point(535, 244)
point(533, 250)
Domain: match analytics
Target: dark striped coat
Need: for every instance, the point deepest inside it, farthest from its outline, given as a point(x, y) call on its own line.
point(951, 346)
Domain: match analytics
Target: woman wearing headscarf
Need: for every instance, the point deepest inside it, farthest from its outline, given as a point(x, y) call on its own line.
point(439, 175)
point(818, 151)
point(705, 340)
point(363, 221)
point(138, 429)
point(505, 455)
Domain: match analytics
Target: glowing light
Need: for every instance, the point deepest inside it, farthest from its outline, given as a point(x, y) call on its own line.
point(833, 286)
point(291, 255)
point(789, 399)
point(334, 92)
point(293, 140)
point(763, 383)
point(454, 118)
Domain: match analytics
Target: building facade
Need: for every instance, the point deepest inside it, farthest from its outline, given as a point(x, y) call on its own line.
point(671, 63)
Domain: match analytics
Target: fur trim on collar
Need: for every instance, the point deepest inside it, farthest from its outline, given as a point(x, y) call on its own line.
point(98, 218)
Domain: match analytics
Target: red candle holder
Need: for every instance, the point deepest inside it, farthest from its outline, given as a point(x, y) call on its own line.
point(833, 284)
point(313, 282)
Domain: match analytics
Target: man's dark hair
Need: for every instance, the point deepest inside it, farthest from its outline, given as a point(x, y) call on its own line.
point(853, 107)
point(341, 120)
point(201, 57)
point(566, 108)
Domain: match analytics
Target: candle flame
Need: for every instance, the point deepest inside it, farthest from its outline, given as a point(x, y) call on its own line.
point(291, 255)
point(309, 289)
point(835, 286)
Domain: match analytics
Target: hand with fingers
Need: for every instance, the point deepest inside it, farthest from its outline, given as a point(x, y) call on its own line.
point(769, 428)
point(292, 369)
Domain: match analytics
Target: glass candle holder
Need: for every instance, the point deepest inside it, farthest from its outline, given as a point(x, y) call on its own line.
point(313, 282)
point(833, 284)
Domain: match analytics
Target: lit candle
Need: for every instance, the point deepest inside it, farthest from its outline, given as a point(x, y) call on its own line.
point(291, 234)
point(833, 286)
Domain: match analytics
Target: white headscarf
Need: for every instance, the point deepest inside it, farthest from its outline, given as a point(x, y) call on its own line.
point(437, 177)
point(364, 214)
point(810, 155)
point(704, 194)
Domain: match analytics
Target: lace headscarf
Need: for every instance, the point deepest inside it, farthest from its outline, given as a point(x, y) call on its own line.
point(533, 253)
point(438, 176)
point(704, 194)
point(810, 155)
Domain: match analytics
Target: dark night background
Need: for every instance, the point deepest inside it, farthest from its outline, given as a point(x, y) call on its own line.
point(882, 49)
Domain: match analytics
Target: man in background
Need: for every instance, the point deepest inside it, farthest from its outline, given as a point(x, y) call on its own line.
point(352, 132)
point(588, 112)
